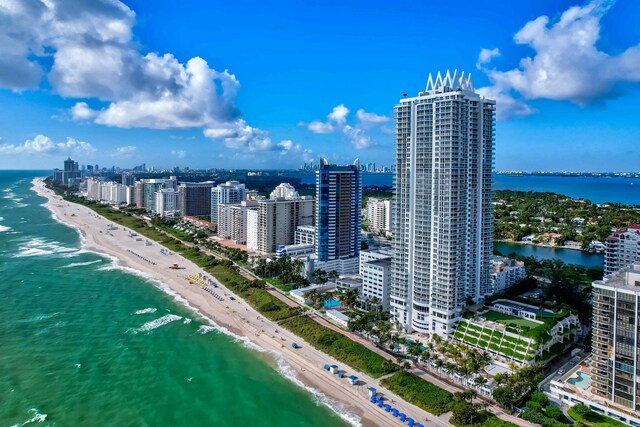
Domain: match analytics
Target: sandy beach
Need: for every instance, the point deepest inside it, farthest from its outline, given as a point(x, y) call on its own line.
point(303, 365)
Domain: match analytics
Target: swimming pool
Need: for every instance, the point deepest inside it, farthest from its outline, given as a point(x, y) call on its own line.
point(582, 381)
point(331, 303)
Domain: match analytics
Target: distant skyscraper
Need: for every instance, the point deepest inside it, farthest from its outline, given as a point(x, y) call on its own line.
point(442, 225)
point(338, 206)
point(71, 171)
point(622, 249)
point(128, 179)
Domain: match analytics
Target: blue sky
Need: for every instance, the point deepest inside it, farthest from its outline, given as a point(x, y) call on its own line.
point(258, 85)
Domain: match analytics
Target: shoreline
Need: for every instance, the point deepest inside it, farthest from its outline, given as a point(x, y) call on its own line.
point(302, 366)
point(540, 245)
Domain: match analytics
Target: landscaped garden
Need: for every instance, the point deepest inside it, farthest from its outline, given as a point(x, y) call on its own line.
point(583, 414)
point(507, 319)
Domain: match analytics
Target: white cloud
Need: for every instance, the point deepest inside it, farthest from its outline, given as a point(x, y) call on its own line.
point(370, 119)
point(81, 111)
point(180, 154)
point(486, 55)
point(356, 135)
point(95, 57)
point(126, 152)
point(338, 114)
point(93, 54)
point(317, 126)
point(42, 144)
point(240, 135)
point(567, 64)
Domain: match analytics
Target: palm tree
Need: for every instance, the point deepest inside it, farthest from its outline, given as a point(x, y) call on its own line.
point(439, 364)
point(425, 356)
point(480, 381)
point(414, 348)
point(314, 297)
point(350, 297)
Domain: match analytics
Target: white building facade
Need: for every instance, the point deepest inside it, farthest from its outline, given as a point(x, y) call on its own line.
point(443, 213)
point(506, 273)
point(231, 192)
point(378, 214)
point(278, 220)
point(252, 229)
point(167, 202)
point(622, 249)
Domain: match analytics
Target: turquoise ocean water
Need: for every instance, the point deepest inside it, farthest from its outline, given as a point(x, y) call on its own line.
point(83, 343)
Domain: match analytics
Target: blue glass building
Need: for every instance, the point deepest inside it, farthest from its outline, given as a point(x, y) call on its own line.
point(338, 207)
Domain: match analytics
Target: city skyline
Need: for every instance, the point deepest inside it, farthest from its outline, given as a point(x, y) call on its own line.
point(57, 105)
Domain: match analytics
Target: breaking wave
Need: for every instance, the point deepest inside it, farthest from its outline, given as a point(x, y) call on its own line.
point(146, 310)
point(155, 324)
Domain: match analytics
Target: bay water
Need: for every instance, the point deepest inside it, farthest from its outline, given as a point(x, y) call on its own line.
point(84, 343)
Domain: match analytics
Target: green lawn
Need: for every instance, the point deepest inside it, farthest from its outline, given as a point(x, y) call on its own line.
point(595, 419)
point(506, 319)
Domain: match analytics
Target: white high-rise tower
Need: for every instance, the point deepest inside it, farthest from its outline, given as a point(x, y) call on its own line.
point(443, 213)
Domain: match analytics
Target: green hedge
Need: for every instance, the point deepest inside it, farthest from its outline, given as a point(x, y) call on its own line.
point(419, 392)
point(337, 345)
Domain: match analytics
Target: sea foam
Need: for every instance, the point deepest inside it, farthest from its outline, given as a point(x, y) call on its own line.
point(154, 324)
point(283, 368)
point(146, 310)
point(38, 247)
point(36, 417)
point(4, 228)
point(80, 264)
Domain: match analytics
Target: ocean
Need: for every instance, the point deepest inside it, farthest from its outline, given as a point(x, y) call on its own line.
point(84, 343)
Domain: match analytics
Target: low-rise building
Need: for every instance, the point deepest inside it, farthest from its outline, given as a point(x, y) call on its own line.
point(305, 235)
point(337, 317)
point(346, 283)
point(376, 281)
point(516, 332)
point(295, 250)
point(506, 273)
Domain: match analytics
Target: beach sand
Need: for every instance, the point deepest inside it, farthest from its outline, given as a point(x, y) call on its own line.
point(305, 364)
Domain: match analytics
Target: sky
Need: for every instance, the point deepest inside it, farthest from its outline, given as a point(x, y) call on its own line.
point(259, 85)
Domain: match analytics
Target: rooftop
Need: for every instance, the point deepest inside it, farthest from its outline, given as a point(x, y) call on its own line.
point(384, 262)
point(626, 279)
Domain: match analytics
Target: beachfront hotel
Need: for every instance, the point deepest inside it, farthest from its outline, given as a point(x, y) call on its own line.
point(338, 216)
point(278, 218)
point(443, 213)
point(195, 198)
point(231, 192)
point(609, 381)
